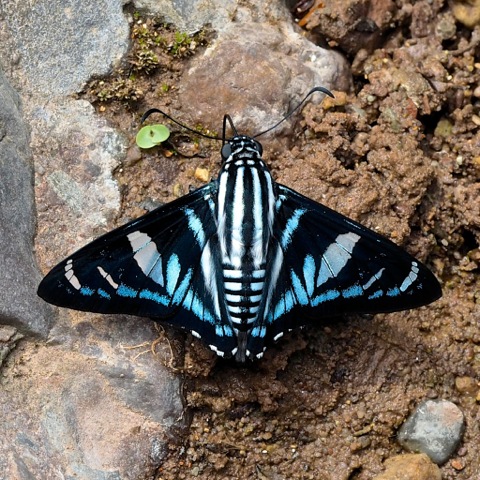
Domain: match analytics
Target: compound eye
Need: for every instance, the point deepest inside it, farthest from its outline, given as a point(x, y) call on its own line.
point(259, 147)
point(226, 151)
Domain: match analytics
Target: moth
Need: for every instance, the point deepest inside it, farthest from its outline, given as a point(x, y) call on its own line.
point(240, 261)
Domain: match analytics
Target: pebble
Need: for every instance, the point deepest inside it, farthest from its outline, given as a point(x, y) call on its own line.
point(414, 466)
point(6, 333)
point(466, 385)
point(434, 428)
point(466, 12)
point(202, 174)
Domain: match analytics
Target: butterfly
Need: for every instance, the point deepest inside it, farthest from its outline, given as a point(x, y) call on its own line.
point(240, 261)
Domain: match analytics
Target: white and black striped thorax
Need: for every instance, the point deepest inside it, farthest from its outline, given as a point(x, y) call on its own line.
point(244, 215)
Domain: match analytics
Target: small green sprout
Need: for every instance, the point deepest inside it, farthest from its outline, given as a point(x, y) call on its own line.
point(152, 135)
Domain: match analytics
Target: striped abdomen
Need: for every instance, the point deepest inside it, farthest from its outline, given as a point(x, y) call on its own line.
point(245, 217)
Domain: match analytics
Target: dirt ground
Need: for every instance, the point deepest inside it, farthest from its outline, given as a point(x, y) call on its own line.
point(400, 153)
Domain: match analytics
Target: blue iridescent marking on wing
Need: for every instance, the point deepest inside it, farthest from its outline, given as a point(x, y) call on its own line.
point(393, 292)
point(198, 308)
point(291, 227)
point(258, 331)
point(377, 294)
point(173, 272)
point(87, 291)
point(196, 226)
point(103, 293)
point(182, 288)
point(328, 296)
point(298, 288)
point(309, 274)
point(353, 291)
point(154, 297)
point(125, 291)
point(223, 330)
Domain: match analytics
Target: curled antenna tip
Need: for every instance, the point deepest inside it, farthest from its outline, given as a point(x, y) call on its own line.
point(324, 90)
point(291, 112)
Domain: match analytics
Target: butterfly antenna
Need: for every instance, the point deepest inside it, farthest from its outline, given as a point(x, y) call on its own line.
point(196, 132)
point(228, 118)
point(291, 112)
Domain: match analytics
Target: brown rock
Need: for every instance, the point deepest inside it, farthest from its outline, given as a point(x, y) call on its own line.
point(410, 467)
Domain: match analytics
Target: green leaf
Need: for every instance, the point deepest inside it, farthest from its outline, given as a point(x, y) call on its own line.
point(152, 135)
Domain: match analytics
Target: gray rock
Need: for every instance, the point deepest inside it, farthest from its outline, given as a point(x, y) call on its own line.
point(94, 412)
point(19, 304)
point(66, 42)
point(78, 406)
point(77, 195)
point(191, 15)
point(434, 428)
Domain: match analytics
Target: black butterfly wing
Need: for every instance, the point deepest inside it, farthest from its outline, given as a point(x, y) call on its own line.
point(324, 264)
point(163, 265)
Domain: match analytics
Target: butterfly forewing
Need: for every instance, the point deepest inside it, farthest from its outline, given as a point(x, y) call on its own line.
point(149, 267)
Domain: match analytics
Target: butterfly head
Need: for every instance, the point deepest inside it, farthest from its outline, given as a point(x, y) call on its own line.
point(240, 147)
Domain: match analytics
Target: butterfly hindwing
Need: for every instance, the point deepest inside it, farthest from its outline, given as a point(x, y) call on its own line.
point(324, 265)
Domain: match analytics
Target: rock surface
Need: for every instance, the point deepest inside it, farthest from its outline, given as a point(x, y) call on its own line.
point(65, 43)
point(19, 305)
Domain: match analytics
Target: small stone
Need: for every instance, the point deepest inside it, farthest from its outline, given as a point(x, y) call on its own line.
point(466, 385)
point(178, 190)
point(434, 428)
point(133, 156)
point(445, 28)
point(411, 467)
point(6, 333)
point(444, 128)
point(476, 120)
point(457, 465)
point(202, 174)
point(467, 13)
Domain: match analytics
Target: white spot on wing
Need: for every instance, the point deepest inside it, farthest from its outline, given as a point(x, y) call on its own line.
point(147, 256)
point(216, 350)
point(107, 277)
point(336, 256)
point(411, 277)
point(71, 277)
point(374, 278)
